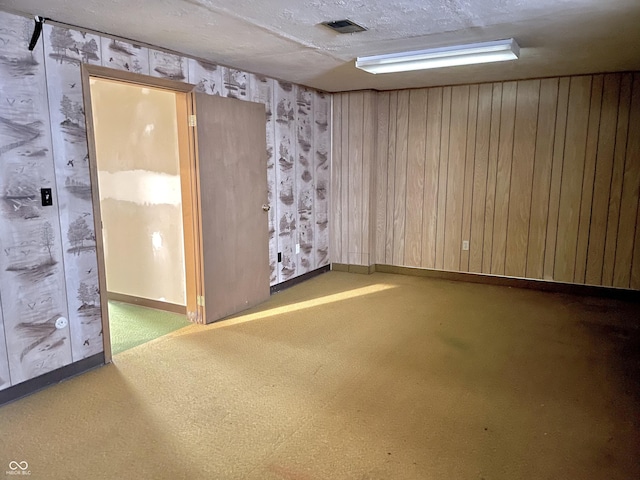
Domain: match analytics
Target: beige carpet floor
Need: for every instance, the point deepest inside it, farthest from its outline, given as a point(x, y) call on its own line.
point(356, 377)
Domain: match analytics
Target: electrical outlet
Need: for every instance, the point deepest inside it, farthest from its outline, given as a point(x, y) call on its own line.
point(297, 248)
point(465, 245)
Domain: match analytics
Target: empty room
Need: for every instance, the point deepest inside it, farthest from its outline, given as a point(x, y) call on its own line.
point(407, 239)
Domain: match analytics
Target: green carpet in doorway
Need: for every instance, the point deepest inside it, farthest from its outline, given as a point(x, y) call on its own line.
point(132, 325)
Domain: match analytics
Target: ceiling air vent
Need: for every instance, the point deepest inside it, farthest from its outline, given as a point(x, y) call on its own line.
point(344, 26)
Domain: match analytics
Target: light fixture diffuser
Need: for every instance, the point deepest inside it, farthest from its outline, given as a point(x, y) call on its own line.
point(485, 52)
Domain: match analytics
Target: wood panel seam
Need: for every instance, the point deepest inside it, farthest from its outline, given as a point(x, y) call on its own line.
point(473, 178)
point(446, 182)
point(624, 178)
point(626, 138)
point(513, 149)
point(584, 172)
point(424, 171)
point(533, 176)
point(597, 146)
point(564, 145)
point(464, 179)
point(495, 186)
point(486, 182)
point(363, 196)
point(613, 150)
point(635, 83)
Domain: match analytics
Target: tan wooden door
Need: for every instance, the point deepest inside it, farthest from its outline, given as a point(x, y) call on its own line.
point(232, 162)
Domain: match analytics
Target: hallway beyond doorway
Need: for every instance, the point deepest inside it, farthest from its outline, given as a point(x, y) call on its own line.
point(132, 325)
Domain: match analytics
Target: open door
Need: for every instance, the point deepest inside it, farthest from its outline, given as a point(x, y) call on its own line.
point(232, 158)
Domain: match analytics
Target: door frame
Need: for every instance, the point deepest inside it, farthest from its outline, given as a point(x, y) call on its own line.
point(189, 182)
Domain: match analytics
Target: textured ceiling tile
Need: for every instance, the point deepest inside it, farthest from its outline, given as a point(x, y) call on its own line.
point(285, 38)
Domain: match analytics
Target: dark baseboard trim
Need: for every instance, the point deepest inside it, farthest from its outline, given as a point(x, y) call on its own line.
point(340, 267)
point(360, 269)
point(56, 376)
point(148, 303)
point(295, 281)
point(543, 285)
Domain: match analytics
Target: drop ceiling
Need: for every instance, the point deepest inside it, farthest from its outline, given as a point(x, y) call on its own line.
point(285, 39)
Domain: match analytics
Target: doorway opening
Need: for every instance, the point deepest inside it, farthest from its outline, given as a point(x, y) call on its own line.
point(221, 177)
point(141, 166)
point(138, 166)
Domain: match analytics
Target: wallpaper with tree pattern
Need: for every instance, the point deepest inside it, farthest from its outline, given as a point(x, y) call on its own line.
point(49, 296)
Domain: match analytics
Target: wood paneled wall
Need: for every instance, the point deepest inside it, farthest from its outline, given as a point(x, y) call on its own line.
point(540, 176)
point(352, 170)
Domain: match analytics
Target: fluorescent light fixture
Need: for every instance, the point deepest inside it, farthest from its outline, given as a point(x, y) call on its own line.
point(496, 51)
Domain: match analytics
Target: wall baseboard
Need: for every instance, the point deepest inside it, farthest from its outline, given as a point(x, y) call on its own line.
point(533, 284)
point(148, 303)
point(360, 269)
point(56, 376)
point(294, 281)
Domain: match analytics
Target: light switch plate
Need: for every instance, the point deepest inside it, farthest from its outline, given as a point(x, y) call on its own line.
point(47, 197)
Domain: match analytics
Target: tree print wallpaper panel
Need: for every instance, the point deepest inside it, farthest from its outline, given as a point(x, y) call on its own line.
point(121, 55)
point(49, 297)
point(262, 92)
point(321, 165)
point(64, 51)
point(32, 282)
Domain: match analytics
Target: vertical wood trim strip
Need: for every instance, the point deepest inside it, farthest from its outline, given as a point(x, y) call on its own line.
point(415, 176)
point(443, 177)
point(431, 177)
point(635, 265)
point(399, 215)
point(602, 181)
point(373, 193)
point(615, 197)
point(368, 178)
point(588, 179)
point(476, 240)
point(336, 180)
point(542, 177)
point(391, 175)
point(633, 153)
point(455, 177)
point(503, 178)
point(469, 170)
point(382, 156)
point(572, 176)
point(346, 203)
point(556, 177)
point(355, 223)
point(494, 142)
point(521, 185)
point(630, 191)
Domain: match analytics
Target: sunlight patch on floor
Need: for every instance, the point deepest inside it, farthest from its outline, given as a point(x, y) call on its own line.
point(336, 297)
